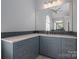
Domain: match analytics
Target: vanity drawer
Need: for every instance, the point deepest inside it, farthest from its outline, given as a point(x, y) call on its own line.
point(25, 42)
point(22, 43)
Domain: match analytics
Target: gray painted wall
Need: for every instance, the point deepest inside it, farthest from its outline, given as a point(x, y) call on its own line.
point(75, 15)
point(17, 15)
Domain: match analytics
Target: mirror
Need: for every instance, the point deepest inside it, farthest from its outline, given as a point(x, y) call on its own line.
point(59, 25)
point(54, 18)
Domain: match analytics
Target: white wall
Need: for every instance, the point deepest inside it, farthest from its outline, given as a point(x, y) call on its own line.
point(18, 15)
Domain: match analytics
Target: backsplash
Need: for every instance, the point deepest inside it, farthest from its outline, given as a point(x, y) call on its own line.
point(9, 34)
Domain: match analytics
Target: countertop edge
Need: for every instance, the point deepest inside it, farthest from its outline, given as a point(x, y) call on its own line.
point(28, 36)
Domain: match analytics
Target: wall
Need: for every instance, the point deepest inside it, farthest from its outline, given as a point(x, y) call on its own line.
point(75, 15)
point(17, 15)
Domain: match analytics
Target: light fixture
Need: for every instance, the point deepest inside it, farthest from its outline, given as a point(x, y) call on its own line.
point(53, 3)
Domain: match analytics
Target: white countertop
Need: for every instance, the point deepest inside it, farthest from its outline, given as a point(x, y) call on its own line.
point(23, 37)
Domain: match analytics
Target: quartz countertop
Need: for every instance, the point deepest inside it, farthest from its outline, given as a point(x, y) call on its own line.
point(28, 36)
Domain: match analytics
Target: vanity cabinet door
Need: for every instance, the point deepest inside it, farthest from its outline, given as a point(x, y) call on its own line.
point(26, 49)
point(7, 50)
point(50, 46)
point(69, 48)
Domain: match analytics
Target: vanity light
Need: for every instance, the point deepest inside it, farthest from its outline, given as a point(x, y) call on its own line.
point(53, 3)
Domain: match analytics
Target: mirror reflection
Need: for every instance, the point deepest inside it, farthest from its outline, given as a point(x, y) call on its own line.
point(54, 15)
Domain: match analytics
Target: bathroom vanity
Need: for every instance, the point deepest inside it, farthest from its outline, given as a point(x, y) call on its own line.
point(56, 19)
point(29, 46)
point(58, 47)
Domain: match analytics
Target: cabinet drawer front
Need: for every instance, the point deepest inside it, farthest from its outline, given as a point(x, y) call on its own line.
point(22, 43)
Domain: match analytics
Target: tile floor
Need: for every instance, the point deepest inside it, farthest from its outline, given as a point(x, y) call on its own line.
point(42, 57)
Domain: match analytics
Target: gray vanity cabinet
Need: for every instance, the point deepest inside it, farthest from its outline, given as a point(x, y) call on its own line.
point(25, 49)
point(55, 47)
point(6, 50)
point(50, 46)
point(59, 48)
point(69, 48)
